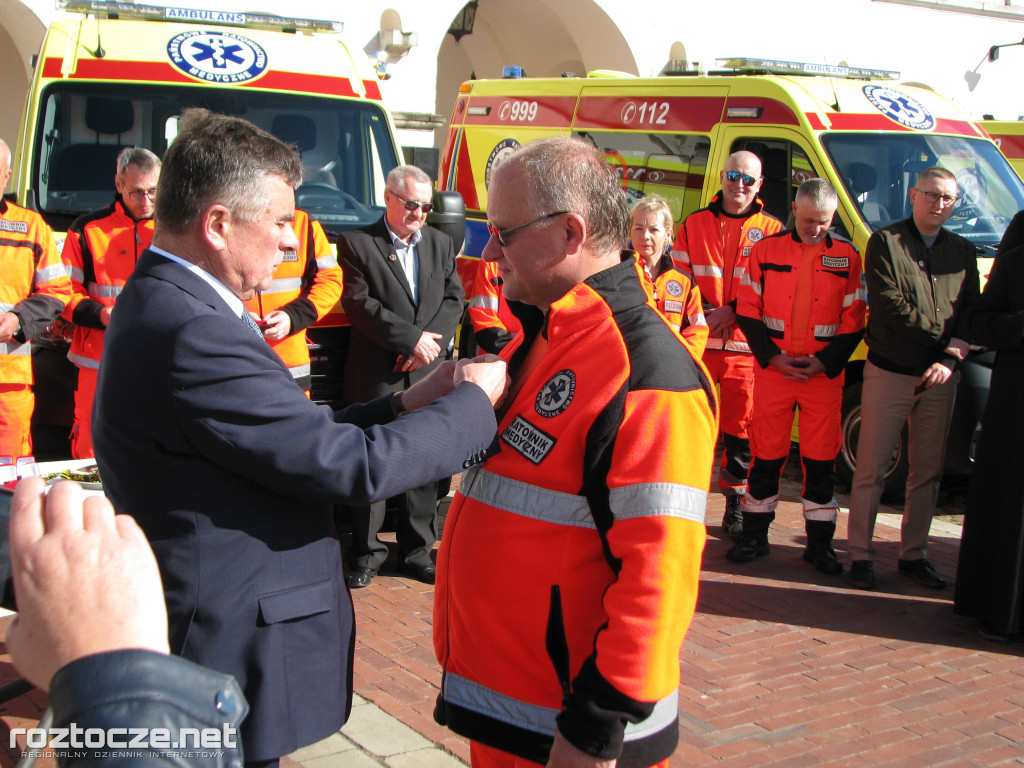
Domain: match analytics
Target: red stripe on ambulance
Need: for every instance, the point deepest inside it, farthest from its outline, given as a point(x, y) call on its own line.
point(656, 113)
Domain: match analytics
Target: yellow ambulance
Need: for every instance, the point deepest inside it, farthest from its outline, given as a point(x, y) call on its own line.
point(868, 134)
point(1009, 137)
point(117, 74)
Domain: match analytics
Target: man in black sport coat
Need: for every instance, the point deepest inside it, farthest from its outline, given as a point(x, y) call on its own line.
point(404, 299)
point(202, 436)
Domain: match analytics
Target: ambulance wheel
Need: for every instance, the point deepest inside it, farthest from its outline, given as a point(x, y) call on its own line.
point(896, 475)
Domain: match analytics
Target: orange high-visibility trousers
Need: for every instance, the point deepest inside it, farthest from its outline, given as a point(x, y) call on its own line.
point(482, 756)
point(81, 432)
point(16, 405)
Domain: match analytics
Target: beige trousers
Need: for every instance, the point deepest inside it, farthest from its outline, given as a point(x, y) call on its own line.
point(887, 403)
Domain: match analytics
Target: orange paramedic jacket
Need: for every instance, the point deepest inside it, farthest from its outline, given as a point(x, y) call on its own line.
point(100, 250)
point(698, 251)
point(836, 320)
point(494, 325)
point(677, 297)
point(34, 284)
point(306, 286)
point(567, 574)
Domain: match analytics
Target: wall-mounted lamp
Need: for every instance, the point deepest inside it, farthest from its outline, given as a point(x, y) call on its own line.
point(463, 23)
point(972, 76)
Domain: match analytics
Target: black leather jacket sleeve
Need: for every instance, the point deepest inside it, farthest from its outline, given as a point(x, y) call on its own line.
point(133, 693)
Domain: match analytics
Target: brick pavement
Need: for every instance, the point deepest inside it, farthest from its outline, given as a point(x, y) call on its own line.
point(782, 667)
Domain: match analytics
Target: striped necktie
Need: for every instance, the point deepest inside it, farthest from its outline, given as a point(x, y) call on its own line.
point(251, 324)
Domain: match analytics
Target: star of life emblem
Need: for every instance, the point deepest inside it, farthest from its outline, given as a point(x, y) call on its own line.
point(556, 394)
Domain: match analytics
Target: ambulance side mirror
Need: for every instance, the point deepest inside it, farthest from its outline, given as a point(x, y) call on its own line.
point(449, 216)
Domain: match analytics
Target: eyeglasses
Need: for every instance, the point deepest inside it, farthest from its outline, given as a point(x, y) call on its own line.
point(934, 197)
point(412, 205)
point(736, 176)
point(501, 234)
point(139, 194)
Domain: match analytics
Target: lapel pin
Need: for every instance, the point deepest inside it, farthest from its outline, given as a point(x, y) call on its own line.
point(392, 257)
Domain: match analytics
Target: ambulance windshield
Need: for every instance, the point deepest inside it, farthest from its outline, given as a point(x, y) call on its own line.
point(346, 146)
point(879, 169)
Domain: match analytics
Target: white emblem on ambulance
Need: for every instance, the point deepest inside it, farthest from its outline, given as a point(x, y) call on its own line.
point(530, 441)
point(499, 155)
point(554, 397)
point(754, 234)
point(900, 107)
point(674, 288)
point(217, 57)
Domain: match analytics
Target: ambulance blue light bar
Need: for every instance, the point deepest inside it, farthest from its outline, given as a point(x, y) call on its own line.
point(777, 67)
point(112, 9)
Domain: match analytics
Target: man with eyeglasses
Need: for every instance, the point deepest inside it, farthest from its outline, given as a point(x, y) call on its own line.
point(713, 245)
point(101, 250)
point(567, 574)
point(922, 285)
point(403, 297)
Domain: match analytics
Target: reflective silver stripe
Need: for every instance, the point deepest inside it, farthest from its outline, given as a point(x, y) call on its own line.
point(658, 499)
point(747, 281)
point(77, 274)
point(298, 371)
point(706, 270)
point(860, 294)
point(84, 362)
point(5, 307)
point(825, 331)
point(739, 272)
point(729, 346)
point(51, 272)
point(477, 698)
point(759, 506)
point(15, 348)
point(774, 323)
point(680, 257)
point(284, 284)
point(628, 502)
point(665, 713)
point(698, 319)
point(98, 291)
point(484, 302)
point(527, 500)
point(327, 262)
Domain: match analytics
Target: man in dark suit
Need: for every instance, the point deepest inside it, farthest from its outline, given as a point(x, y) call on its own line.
point(229, 469)
point(404, 299)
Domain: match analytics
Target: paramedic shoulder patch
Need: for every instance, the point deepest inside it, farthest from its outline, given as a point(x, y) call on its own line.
point(832, 262)
point(554, 397)
point(530, 441)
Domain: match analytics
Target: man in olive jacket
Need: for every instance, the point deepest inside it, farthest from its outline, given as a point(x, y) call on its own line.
point(922, 282)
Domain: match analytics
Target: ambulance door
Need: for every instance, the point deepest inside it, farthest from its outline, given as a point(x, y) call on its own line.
point(657, 139)
point(787, 161)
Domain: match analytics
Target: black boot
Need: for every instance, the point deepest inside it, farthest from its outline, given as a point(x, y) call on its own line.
point(754, 541)
point(819, 552)
point(732, 520)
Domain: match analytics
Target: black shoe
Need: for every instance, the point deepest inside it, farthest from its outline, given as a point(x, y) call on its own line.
point(732, 520)
point(748, 548)
point(425, 573)
point(824, 559)
point(360, 577)
point(862, 574)
point(986, 631)
point(922, 572)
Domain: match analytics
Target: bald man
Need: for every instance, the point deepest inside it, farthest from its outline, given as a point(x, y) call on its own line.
point(714, 246)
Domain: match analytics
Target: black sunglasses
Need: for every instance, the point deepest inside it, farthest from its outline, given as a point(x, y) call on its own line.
point(412, 205)
point(736, 176)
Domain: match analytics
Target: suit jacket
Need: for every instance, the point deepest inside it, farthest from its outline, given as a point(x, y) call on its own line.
point(378, 300)
point(203, 437)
